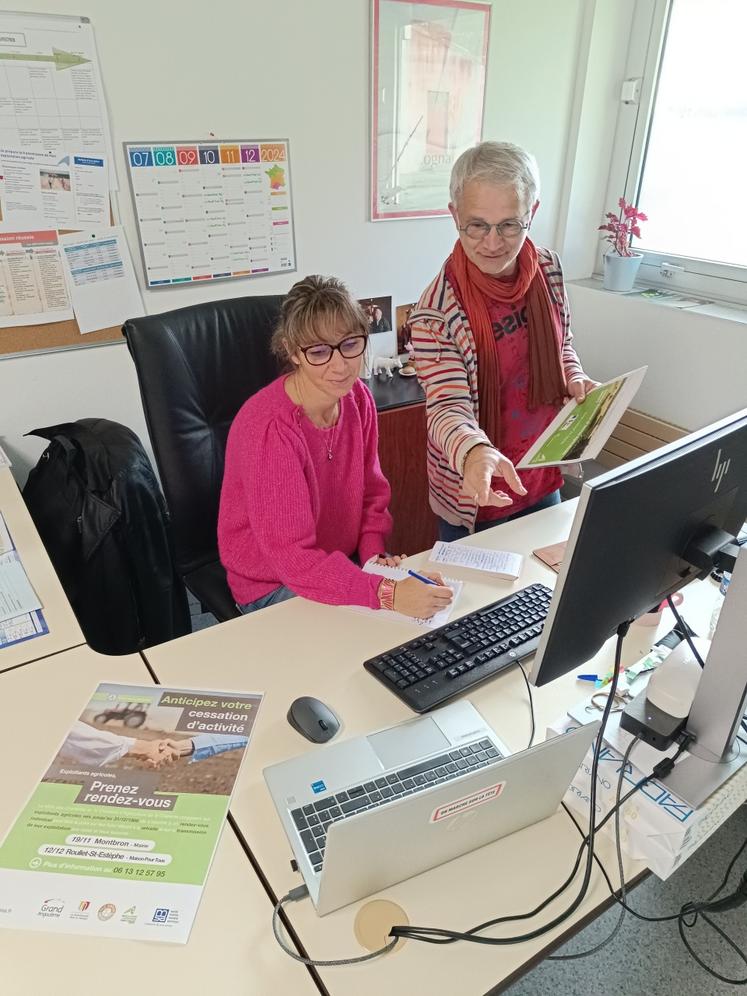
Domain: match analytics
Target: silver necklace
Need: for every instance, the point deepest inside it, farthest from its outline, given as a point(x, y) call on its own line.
point(330, 442)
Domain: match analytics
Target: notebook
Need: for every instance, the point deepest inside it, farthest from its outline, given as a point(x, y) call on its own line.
point(400, 574)
point(367, 812)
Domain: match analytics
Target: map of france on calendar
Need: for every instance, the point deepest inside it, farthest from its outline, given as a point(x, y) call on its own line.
point(212, 210)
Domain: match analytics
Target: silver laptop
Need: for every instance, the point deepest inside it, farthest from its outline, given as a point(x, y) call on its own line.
point(365, 813)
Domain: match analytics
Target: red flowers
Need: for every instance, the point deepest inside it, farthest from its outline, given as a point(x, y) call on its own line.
point(623, 227)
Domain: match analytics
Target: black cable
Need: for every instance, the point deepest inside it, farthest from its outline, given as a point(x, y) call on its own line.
point(301, 892)
point(531, 702)
point(621, 869)
point(682, 924)
point(685, 630)
point(689, 910)
point(438, 935)
point(728, 872)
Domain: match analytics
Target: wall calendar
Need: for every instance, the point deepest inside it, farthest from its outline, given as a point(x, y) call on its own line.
point(212, 210)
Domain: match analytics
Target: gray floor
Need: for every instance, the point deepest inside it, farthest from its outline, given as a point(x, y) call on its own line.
point(649, 958)
point(200, 619)
point(644, 958)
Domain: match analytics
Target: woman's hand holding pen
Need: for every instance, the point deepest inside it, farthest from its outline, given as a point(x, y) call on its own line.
point(422, 599)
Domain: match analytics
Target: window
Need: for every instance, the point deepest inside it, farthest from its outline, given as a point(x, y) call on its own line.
point(681, 150)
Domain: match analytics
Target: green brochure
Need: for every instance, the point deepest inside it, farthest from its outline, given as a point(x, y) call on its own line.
point(579, 431)
point(118, 837)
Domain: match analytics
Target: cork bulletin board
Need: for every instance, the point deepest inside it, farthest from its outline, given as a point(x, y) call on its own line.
point(52, 336)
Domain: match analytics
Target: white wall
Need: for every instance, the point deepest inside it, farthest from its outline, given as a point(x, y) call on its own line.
point(696, 363)
point(300, 70)
point(296, 69)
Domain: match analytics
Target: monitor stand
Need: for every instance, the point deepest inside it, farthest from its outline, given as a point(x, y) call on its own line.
point(719, 703)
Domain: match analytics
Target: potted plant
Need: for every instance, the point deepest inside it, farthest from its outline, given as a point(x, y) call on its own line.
point(620, 262)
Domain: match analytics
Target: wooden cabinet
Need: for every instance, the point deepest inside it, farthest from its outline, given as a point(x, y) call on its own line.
point(402, 456)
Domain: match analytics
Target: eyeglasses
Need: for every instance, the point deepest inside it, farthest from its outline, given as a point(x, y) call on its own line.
point(321, 352)
point(478, 230)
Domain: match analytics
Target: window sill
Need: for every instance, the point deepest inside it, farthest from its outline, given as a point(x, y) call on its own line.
point(693, 304)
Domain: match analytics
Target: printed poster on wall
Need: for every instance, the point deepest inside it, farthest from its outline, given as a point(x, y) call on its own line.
point(212, 210)
point(118, 837)
point(428, 63)
point(51, 92)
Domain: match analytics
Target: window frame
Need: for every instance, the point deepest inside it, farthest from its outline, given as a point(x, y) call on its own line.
point(721, 282)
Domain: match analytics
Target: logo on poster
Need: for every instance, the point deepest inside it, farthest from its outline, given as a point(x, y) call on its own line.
point(160, 915)
point(51, 908)
point(83, 905)
point(107, 911)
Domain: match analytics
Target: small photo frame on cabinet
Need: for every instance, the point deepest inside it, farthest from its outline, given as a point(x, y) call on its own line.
point(428, 64)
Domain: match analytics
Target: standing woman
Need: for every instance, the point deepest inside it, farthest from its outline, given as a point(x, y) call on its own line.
point(493, 347)
point(303, 494)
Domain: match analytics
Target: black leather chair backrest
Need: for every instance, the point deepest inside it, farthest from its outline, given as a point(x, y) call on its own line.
point(196, 367)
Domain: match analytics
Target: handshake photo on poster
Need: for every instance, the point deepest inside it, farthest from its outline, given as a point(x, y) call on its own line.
point(86, 744)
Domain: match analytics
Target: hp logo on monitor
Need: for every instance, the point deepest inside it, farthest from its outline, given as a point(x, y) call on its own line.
point(720, 471)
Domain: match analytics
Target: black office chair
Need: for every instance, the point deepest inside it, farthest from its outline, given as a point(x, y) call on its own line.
point(196, 366)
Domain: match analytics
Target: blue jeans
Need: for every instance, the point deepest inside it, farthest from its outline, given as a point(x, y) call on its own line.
point(448, 533)
point(281, 594)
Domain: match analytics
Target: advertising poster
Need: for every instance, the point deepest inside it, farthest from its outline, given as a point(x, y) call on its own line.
point(119, 834)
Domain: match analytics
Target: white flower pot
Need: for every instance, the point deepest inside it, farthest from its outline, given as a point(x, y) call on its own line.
point(620, 271)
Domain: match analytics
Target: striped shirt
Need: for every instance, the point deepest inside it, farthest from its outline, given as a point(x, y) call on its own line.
point(446, 363)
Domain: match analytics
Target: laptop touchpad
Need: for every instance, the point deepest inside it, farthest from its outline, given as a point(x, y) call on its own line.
point(408, 742)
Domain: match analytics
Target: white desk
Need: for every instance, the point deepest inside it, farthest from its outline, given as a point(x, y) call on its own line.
point(64, 631)
point(300, 648)
point(231, 945)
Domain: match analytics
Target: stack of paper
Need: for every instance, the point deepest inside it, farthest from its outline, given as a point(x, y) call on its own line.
point(500, 562)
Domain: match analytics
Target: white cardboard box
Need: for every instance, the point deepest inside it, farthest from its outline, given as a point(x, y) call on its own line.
point(655, 825)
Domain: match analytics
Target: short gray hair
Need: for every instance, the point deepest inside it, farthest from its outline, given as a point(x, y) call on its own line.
point(499, 163)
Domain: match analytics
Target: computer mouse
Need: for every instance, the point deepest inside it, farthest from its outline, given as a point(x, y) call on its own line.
point(313, 719)
point(673, 684)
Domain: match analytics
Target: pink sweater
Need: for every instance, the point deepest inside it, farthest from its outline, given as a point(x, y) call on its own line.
point(291, 515)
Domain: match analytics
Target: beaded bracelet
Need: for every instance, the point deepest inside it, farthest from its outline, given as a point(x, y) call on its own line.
point(385, 592)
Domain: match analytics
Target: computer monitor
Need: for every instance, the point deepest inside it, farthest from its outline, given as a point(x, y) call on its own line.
point(641, 532)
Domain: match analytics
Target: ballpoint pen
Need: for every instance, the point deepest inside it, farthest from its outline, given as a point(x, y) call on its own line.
point(421, 577)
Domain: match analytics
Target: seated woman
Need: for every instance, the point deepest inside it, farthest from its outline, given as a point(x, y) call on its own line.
point(493, 348)
point(303, 493)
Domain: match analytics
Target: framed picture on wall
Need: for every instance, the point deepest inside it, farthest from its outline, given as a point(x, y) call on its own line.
point(428, 64)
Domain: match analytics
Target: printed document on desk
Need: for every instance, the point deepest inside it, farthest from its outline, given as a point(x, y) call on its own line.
point(579, 431)
point(400, 574)
point(118, 837)
point(27, 625)
point(16, 593)
point(100, 278)
point(501, 562)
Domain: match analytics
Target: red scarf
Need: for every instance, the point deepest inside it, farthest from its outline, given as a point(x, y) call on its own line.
point(475, 292)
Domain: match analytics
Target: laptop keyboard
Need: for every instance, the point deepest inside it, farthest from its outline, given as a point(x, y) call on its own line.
point(312, 821)
point(429, 670)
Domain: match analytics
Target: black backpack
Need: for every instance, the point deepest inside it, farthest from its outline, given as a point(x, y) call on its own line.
point(98, 508)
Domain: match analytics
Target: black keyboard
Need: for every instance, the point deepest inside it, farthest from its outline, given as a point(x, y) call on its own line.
point(431, 669)
point(312, 821)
